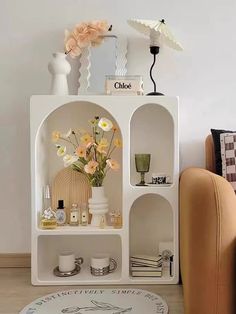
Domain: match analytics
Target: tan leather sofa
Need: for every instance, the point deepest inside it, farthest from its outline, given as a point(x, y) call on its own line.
point(207, 240)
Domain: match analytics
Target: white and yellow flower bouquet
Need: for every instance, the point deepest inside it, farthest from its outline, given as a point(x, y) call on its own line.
point(92, 151)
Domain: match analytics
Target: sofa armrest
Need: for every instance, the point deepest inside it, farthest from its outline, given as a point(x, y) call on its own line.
point(207, 242)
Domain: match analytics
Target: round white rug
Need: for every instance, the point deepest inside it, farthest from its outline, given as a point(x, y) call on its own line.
point(98, 301)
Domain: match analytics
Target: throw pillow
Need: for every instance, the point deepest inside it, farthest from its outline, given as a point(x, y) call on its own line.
point(228, 155)
point(216, 140)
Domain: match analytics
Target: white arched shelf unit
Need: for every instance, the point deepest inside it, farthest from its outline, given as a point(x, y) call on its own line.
point(135, 116)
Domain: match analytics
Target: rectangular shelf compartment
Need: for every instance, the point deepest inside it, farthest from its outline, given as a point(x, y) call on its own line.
point(84, 246)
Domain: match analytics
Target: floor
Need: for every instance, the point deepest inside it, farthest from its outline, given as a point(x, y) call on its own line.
point(16, 291)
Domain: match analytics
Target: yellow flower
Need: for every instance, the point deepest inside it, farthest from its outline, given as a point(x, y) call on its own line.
point(113, 164)
point(61, 151)
point(81, 151)
point(118, 142)
point(56, 136)
point(101, 149)
point(86, 139)
point(91, 167)
point(105, 124)
point(103, 142)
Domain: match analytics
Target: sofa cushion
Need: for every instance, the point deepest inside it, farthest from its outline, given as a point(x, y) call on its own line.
point(228, 156)
point(217, 148)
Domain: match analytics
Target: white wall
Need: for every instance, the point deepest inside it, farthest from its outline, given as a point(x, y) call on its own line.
point(203, 76)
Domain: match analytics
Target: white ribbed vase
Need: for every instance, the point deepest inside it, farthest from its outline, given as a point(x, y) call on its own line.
point(98, 206)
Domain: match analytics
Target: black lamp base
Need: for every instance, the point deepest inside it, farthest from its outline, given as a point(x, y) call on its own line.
point(155, 94)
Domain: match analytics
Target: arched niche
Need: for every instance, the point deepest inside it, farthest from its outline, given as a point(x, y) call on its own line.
point(151, 222)
point(152, 131)
point(74, 115)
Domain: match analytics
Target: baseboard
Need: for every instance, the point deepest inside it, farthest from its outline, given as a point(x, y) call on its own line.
point(15, 260)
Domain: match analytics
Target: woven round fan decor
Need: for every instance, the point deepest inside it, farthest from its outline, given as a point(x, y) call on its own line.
point(98, 301)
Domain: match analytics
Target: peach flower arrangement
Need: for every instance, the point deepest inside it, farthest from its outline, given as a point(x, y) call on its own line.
point(92, 151)
point(85, 34)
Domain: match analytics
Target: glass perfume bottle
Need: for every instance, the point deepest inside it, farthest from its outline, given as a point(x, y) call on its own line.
point(48, 220)
point(117, 220)
point(61, 214)
point(84, 214)
point(102, 223)
point(74, 215)
point(112, 218)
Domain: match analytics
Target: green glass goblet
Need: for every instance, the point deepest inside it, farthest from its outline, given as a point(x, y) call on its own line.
point(142, 163)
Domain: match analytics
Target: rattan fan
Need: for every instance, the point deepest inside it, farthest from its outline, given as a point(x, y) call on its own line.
point(70, 186)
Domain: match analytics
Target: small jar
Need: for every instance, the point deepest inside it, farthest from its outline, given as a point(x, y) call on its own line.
point(84, 214)
point(74, 215)
point(117, 220)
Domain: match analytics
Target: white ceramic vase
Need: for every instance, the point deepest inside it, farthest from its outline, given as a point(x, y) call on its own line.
point(59, 68)
point(98, 206)
point(84, 71)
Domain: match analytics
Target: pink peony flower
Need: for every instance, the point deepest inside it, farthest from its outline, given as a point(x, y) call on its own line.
point(101, 26)
point(85, 34)
point(91, 167)
point(71, 46)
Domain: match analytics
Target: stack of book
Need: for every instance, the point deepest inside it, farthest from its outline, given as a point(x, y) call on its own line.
point(146, 266)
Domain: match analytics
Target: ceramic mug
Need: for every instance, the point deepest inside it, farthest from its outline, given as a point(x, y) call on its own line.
point(102, 264)
point(160, 178)
point(68, 261)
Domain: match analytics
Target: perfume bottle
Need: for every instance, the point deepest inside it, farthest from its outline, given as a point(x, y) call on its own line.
point(102, 224)
point(61, 214)
point(84, 214)
point(112, 218)
point(74, 215)
point(48, 220)
point(117, 220)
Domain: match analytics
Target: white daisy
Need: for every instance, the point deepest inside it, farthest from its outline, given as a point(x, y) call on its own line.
point(69, 160)
point(61, 151)
point(105, 124)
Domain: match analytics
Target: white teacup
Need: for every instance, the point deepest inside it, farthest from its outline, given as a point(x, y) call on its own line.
point(102, 264)
point(68, 261)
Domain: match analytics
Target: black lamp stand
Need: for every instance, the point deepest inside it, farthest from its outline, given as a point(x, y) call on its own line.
point(154, 51)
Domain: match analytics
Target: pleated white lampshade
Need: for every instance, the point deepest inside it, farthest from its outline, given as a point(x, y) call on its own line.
point(158, 32)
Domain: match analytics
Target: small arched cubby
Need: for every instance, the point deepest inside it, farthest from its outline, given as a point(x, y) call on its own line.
point(75, 115)
point(152, 132)
point(151, 227)
point(151, 222)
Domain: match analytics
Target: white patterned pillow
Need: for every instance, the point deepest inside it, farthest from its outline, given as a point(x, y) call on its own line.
point(228, 155)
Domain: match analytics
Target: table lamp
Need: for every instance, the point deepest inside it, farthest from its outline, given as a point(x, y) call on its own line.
point(159, 35)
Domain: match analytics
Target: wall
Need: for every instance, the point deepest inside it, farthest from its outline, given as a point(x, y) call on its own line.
point(203, 76)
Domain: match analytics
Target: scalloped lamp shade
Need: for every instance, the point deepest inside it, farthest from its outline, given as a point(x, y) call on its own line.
point(160, 35)
point(158, 32)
